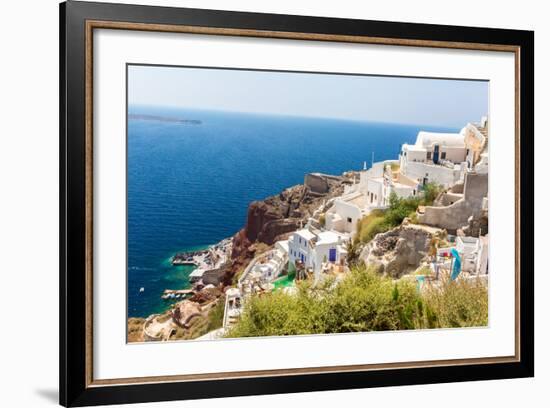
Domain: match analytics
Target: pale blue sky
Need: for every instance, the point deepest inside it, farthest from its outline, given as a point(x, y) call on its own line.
point(435, 102)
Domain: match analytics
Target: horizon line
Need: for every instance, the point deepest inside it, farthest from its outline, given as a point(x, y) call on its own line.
point(338, 118)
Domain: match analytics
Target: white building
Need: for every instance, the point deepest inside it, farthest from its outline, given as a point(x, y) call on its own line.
point(441, 158)
point(264, 268)
point(380, 188)
point(300, 247)
point(435, 157)
point(372, 191)
point(282, 246)
point(431, 147)
point(330, 248)
point(316, 251)
point(474, 254)
point(346, 212)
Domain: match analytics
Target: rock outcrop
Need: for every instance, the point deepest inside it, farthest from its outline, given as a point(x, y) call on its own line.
point(477, 226)
point(184, 312)
point(400, 250)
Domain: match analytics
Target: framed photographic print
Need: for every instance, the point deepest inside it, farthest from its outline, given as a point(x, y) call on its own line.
point(256, 203)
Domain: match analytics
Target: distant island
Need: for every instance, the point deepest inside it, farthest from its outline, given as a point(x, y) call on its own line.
point(165, 119)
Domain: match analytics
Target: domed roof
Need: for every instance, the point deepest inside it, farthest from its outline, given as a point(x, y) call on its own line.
point(426, 139)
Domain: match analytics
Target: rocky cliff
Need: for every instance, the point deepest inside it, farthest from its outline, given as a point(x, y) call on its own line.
point(276, 217)
point(400, 250)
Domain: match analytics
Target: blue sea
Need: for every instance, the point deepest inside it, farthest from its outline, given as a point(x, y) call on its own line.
point(189, 185)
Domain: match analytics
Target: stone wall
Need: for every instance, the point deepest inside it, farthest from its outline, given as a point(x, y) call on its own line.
point(437, 174)
point(316, 183)
point(214, 276)
point(449, 198)
point(458, 188)
point(455, 216)
point(320, 183)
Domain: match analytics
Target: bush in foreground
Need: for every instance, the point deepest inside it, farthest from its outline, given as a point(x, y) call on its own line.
point(363, 301)
point(459, 303)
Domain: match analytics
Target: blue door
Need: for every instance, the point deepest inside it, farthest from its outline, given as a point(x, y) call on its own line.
point(332, 255)
point(436, 154)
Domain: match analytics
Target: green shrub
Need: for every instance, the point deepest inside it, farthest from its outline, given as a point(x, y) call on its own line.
point(354, 251)
point(370, 225)
point(400, 208)
point(431, 191)
point(362, 301)
point(375, 226)
point(215, 315)
point(383, 220)
point(459, 303)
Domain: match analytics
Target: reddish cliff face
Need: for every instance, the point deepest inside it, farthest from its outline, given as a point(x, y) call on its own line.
point(262, 214)
point(274, 218)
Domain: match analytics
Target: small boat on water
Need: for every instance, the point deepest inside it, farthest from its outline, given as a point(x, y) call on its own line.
point(177, 293)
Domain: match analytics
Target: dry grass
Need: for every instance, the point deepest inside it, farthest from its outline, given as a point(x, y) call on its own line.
point(135, 329)
point(459, 303)
point(201, 325)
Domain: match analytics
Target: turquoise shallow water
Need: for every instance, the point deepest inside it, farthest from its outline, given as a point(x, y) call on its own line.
point(189, 185)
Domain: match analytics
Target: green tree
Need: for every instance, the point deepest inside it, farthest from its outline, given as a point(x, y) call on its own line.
point(431, 191)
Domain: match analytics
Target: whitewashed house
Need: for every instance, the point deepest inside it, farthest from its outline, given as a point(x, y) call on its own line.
point(300, 248)
point(379, 189)
point(316, 250)
point(330, 248)
point(346, 212)
point(372, 191)
point(433, 148)
point(435, 157)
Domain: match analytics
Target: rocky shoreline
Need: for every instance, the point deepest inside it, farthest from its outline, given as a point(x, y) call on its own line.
point(268, 221)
